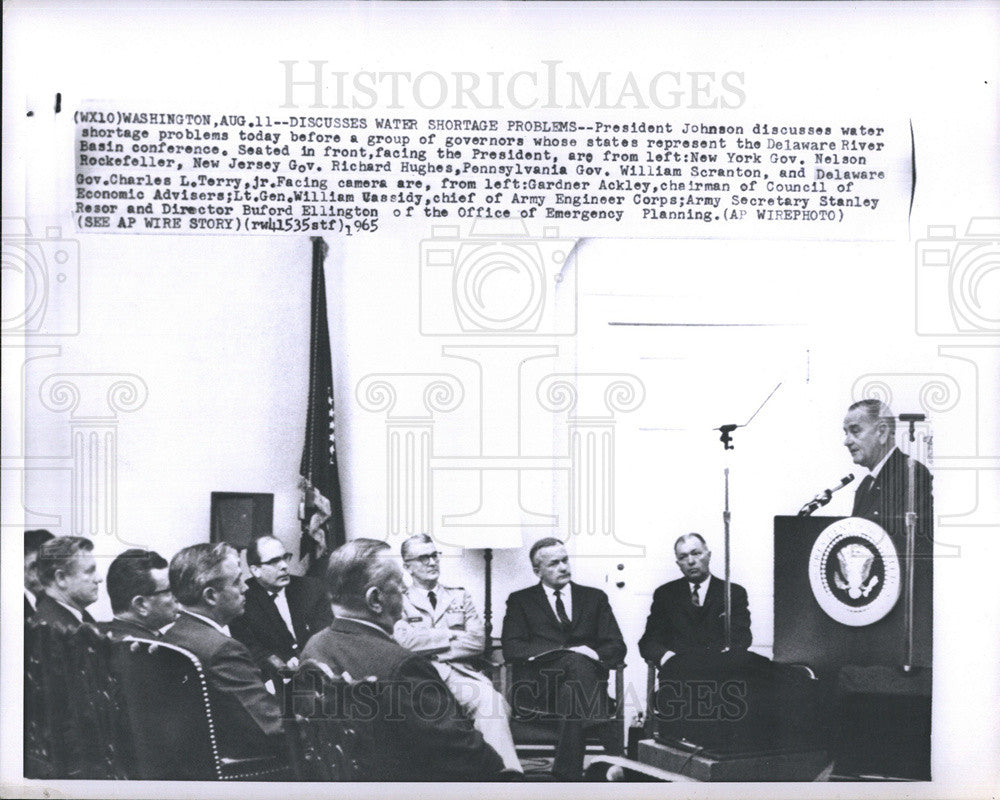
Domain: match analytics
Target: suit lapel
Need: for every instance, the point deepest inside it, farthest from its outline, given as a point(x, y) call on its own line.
point(296, 601)
point(890, 483)
point(266, 604)
point(542, 600)
point(576, 613)
point(56, 609)
point(715, 595)
point(862, 496)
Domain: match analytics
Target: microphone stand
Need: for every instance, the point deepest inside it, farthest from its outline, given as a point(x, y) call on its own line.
point(729, 600)
point(726, 437)
point(727, 444)
point(911, 537)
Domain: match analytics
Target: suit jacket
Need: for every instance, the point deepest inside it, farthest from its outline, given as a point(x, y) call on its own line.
point(245, 713)
point(52, 612)
point(423, 629)
point(675, 624)
point(29, 609)
point(530, 626)
point(885, 501)
point(424, 736)
point(120, 628)
point(265, 633)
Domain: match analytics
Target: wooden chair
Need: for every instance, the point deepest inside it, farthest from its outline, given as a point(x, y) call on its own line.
point(74, 723)
point(538, 730)
point(166, 693)
point(790, 673)
point(328, 737)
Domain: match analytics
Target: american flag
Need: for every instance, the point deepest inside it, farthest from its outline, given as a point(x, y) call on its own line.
point(320, 509)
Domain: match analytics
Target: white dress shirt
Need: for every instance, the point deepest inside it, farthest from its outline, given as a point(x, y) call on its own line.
point(223, 629)
point(74, 611)
point(702, 589)
point(565, 594)
point(281, 601)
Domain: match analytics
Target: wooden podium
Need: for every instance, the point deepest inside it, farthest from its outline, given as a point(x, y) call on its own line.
point(805, 634)
point(882, 712)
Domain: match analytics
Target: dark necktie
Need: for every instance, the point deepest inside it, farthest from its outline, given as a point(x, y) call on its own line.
point(561, 611)
point(432, 596)
point(861, 495)
point(87, 618)
point(694, 595)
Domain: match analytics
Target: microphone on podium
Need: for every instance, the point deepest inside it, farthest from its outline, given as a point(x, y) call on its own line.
point(824, 497)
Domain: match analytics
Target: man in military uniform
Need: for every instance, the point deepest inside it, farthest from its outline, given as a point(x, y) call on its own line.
point(441, 622)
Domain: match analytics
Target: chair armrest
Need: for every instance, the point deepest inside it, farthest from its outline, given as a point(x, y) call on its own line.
point(804, 668)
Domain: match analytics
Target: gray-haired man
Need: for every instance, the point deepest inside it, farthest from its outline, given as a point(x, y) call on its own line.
point(442, 623)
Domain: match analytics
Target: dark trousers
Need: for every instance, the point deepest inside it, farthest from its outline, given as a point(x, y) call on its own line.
point(572, 688)
point(739, 702)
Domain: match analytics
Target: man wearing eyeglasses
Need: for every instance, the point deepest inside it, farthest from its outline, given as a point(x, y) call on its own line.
point(139, 590)
point(282, 610)
point(441, 622)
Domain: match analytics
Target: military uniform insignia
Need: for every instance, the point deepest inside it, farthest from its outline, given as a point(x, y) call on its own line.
point(854, 572)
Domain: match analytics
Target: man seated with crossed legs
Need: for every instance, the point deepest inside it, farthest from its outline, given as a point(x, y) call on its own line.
point(442, 623)
point(570, 639)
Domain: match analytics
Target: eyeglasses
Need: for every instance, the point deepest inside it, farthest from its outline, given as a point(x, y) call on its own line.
point(273, 562)
point(427, 558)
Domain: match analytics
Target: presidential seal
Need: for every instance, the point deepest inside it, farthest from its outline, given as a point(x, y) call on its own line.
point(854, 572)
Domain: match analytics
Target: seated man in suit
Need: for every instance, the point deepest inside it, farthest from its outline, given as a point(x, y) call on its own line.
point(688, 615)
point(713, 693)
point(33, 540)
point(570, 638)
point(442, 623)
point(282, 610)
point(67, 571)
point(207, 581)
point(139, 590)
point(420, 732)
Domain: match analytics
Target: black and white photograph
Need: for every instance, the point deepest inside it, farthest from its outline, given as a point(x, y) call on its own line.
point(416, 395)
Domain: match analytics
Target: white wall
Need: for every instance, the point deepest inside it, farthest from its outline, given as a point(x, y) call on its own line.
point(217, 331)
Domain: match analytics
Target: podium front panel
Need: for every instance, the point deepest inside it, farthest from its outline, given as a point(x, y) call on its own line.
point(805, 634)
